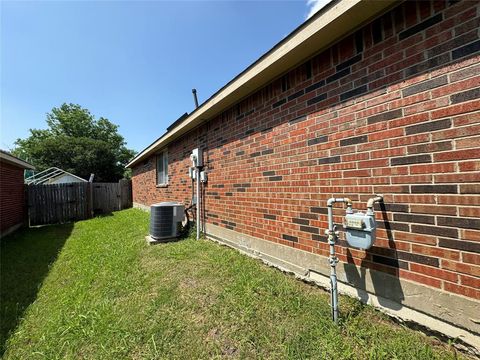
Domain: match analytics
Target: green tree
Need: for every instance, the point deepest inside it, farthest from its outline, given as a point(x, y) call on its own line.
point(76, 142)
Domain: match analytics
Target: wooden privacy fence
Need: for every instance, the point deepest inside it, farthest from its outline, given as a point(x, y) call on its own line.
point(60, 203)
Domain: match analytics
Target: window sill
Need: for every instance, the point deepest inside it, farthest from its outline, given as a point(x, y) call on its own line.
point(162, 185)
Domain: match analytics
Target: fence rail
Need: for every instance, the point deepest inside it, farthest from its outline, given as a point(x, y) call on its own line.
point(60, 203)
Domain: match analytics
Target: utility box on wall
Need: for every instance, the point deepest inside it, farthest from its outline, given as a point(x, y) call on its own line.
point(197, 157)
point(360, 230)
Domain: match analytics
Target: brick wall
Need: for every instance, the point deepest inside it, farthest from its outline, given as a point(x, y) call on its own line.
point(12, 201)
point(392, 109)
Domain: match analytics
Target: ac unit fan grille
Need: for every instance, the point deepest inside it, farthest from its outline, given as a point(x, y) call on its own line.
point(161, 222)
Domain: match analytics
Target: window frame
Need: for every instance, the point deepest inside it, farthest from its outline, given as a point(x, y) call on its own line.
point(164, 156)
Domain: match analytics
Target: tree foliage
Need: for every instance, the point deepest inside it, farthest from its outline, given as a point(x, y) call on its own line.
point(77, 142)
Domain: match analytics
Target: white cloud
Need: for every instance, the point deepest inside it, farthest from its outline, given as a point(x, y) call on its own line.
point(314, 6)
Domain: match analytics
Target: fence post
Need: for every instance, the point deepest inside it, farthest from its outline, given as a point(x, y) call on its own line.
point(130, 193)
point(119, 195)
point(26, 210)
point(89, 204)
point(125, 193)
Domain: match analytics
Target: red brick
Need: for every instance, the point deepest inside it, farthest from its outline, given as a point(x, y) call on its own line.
point(357, 173)
point(447, 69)
point(434, 272)
point(412, 179)
point(412, 139)
point(399, 151)
point(432, 168)
point(427, 280)
point(456, 133)
point(465, 73)
point(473, 142)
point(386, 134)
point(469, 166)
point(416, 199)
point(373, 163)
point(408, 120)
point(456, 109)
point(462, 290)
point(468, 119)
point(460, 267)
point(417, 238)
point(466, 84)
point(459, 8)
point(429, 43)
point(472, 235)
point(457, 155)
point(409, 100)
point(433, 209)
point(470, 281)
point(436, 252)
point(471, 258)
point(458, 200)
point(426, 106)
point(458, 178)
point(430, 147)
point(12, 201)
point(396, 170)
point(373, 145)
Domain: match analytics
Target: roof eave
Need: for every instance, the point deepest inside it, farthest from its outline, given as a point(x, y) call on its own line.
point(13, 160)
point(319, 32)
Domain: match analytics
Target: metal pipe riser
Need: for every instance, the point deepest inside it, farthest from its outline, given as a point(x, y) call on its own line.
point(198, 202)
point(334, 297)
point(332, 238)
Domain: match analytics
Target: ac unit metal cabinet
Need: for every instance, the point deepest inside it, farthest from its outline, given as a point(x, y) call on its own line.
point(166, 220)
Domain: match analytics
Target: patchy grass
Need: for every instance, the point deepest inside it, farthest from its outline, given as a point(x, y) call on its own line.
point(108, 295)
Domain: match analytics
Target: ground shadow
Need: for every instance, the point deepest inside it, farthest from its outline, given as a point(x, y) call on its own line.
point(386, 283)
point(102, 214)
point(26, 257)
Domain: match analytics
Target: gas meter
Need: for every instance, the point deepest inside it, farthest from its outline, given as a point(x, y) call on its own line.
point(360, 229)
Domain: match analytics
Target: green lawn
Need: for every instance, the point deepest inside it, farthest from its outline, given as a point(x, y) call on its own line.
point(96, 290)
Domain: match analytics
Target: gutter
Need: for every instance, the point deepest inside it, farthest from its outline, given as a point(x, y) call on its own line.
point(335, 21)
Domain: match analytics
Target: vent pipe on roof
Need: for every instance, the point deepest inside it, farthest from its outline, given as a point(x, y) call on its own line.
point(194, 92)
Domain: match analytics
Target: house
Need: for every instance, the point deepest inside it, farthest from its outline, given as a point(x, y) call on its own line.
point(12, 192)
point(365, 97)
point(53, 175)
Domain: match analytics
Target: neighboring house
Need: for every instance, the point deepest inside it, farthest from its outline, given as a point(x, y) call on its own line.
point(366, 97)
point(12, 192)
point(53, 175)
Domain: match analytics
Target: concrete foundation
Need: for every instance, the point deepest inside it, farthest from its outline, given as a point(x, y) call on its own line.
point(452, 315)
point(152, 241)
point(141, 206)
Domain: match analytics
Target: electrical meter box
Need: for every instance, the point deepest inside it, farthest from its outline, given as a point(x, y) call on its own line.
point(360, 230)
point(197, 157)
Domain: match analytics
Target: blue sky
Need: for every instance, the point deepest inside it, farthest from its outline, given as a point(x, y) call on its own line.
point(134, 62)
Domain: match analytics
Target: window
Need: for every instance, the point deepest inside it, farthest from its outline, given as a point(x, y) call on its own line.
point(162, 168)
